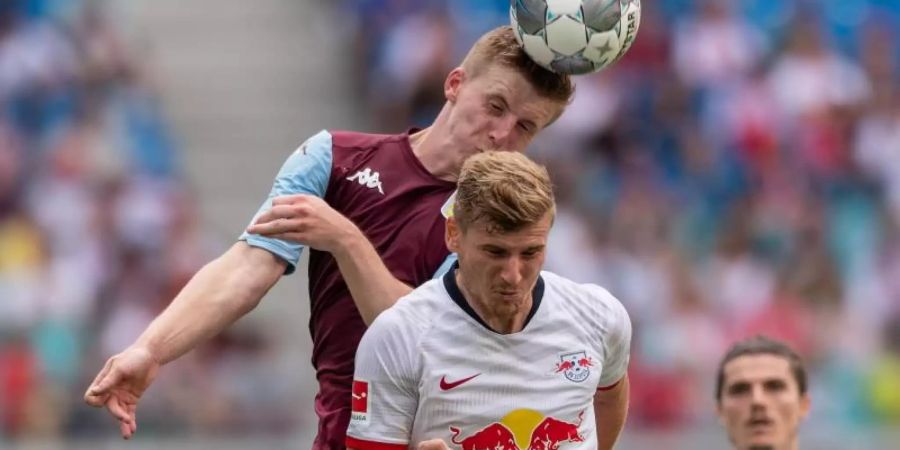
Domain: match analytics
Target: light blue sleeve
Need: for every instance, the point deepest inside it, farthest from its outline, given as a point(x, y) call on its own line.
point(306, 171)
point(445, 266)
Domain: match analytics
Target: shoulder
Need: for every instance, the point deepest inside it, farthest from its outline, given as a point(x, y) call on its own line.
point(414, 313)
point(590, 300)
point(344, 139)
point(317, 144)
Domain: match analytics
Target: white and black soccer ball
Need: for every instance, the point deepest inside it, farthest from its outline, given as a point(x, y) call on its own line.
point(575, 36)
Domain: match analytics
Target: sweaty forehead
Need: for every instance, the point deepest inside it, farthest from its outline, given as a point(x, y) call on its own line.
point(757, 368)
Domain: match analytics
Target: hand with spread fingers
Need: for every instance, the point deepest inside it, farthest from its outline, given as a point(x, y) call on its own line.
point(120, 384)
point(305, 219)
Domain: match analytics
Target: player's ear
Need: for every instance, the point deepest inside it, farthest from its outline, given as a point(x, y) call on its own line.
point(453, 82)
point(451, 235)
point(805, 405)
point(720, 414)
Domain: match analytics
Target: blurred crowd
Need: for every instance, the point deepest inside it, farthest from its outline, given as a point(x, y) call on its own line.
point(737, 172)
point(98, 231)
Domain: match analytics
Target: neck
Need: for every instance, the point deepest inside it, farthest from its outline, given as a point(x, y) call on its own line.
point(435, 151)
point(506, 319)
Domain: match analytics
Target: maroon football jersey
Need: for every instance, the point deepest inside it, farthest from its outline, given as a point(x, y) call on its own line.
point(378, 183)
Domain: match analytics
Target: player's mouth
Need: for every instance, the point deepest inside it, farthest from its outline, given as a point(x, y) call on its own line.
point(760, 424)
point(508, 295)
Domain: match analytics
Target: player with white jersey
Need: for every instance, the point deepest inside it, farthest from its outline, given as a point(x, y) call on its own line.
point(496, 354)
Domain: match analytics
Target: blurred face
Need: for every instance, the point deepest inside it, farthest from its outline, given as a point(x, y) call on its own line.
point(496, 110)
point(761, 405)
point(499, 270)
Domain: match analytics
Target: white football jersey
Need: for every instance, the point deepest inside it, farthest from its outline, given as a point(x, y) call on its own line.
point(429, 368)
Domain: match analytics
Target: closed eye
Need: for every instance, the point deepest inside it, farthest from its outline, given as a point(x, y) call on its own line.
point(495, 252)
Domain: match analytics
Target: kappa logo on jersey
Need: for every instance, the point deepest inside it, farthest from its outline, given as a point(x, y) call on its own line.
point(576, 366)
point(359, 402)
point(368, 178)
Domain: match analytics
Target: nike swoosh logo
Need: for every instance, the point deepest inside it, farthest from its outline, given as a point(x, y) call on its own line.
point(446, 386)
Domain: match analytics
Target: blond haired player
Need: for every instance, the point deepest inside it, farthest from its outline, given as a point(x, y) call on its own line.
point(369, 208)
point(497, 354)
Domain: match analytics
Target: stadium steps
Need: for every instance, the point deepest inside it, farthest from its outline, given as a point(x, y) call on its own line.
point(243, 83)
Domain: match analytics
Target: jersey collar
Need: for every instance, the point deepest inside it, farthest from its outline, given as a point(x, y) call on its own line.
point(537, 294)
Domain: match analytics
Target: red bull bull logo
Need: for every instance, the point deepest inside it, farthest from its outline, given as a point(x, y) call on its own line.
point(495, 436)
point(576, 366)
point(522, 429)
point(551, 433)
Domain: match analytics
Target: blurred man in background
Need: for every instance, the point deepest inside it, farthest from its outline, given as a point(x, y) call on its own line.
point(355, 199)
point(498, 353)
point(761, 393)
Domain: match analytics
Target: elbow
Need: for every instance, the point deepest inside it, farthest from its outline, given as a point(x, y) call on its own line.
point(244, 281)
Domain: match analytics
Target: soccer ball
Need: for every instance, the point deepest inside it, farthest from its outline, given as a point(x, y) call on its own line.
point(575, 36)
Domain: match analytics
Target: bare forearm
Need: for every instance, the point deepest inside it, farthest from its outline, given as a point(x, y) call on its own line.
point(610, 411)
point(219, 294)
point(373, 287)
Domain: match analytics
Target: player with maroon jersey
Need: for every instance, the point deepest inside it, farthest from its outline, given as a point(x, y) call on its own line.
point(369, 207)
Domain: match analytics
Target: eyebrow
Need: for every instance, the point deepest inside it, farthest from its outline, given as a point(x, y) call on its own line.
point(767, 382)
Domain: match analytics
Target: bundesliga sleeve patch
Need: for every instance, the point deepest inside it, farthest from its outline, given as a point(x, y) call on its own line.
point(359, 403)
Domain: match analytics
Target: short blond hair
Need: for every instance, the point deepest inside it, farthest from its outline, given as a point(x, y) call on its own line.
point(505, 190)
point(499, 47)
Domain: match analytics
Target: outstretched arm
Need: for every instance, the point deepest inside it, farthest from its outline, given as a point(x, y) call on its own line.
point(220, 293)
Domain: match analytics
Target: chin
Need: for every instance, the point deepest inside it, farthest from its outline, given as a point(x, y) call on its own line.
point(760, 444)
point(510, 302)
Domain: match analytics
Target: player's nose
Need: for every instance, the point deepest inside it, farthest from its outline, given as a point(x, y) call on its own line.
point(512, 271)
point(502, 131)
point(757, 396)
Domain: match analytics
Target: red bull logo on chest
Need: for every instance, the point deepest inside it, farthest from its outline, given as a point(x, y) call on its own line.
point(576, 366)
point(521, 429)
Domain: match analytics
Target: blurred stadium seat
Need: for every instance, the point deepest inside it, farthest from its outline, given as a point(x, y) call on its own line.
point(737, 172)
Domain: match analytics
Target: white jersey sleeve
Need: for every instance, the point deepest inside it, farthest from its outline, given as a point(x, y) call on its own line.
point(385, 384)
point(615, 328)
